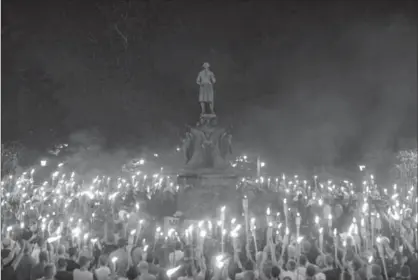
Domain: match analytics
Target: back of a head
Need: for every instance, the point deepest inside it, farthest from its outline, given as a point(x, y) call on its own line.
point(43, 256)
point(310, 271)
point(249, 265)
point(83, 261)
point(143, 266)
point(329, 260)
point(275, 272)
point(291, 265)
point(72, 252)
point(61, 250)
point(62, 263)
point(103, 260)
point(122, 243)
point(49, 271)
point(376, 270)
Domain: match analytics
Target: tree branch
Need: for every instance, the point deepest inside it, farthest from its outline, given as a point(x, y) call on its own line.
point(124, 38)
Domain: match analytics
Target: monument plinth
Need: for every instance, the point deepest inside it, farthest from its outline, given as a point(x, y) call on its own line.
point(207, 179)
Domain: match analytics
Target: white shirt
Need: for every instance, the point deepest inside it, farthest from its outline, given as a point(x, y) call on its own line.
point(284, 274)
point(82, 275)
point(301, 273)
point(103, 273)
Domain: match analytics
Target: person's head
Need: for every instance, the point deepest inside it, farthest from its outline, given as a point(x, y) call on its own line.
point(143, 267)
point(122, 243)
point(84, 262)
point(249, 265)
point(136, 255)
point(33, 227)
point(49, 271)
point(303, 260)
point(61, 250)
point(320, 261)
point(62, 264)
point(275, 272)
point(376, 270)
point(72, 253)
point(103, 260)
point(310, 271)
point(43, 257)
point(306, 246)
point(329, 260)
point(291, 265)
point(206, 65)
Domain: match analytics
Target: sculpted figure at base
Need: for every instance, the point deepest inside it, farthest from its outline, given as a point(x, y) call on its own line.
point(207, 145)
point(205, 80)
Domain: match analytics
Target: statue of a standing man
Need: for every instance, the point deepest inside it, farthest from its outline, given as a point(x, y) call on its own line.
point(205, 80)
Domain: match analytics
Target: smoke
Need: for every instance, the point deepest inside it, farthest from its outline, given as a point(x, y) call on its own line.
point(345, 94)
point(90, 155)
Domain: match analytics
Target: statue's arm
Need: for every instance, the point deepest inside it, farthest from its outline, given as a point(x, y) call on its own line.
point(199, 79)
point(212, 77)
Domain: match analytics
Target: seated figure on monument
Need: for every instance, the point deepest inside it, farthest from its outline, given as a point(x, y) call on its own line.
point(205, 80)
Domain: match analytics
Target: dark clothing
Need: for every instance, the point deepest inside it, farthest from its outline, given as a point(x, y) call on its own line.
point(8, 273)
point(23, 270)
point(332, 274)
point(63, 275)
point(71, 265)
point(132, 273)
point(37, 271)
point(109, 248)
point(27, 234)
point(312, 255)
point(153, 269)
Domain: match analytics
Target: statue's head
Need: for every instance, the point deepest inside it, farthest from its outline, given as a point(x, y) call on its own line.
point(206, 65)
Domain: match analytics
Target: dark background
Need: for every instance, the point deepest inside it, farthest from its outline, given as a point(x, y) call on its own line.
point(305, 83)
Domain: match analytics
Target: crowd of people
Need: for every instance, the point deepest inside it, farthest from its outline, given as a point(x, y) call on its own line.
point(66, 228)
point(27, 255)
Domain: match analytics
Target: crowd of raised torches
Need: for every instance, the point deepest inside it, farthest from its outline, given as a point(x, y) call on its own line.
point(64, 190)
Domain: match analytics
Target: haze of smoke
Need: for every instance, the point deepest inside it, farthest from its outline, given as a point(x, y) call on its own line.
point(359, 87)
point(90, 157)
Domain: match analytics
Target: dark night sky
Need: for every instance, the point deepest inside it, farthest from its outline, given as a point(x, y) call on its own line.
point(312, 82)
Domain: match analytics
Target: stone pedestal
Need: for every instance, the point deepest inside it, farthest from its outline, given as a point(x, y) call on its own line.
point(207, 181)
point(204, 194)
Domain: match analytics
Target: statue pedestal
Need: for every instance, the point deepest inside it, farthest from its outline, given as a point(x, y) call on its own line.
point(207, 181)
point(205, 192)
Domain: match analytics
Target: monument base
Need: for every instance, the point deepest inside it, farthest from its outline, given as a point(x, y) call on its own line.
point(205, 193)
